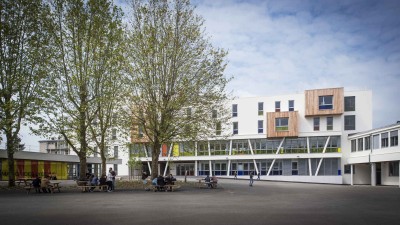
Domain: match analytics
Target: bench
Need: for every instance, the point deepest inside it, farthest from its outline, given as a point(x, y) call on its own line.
point(167, 187)
point(86, 188)
point(38, 189)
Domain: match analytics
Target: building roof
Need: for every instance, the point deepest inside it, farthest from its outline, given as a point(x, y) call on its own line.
point(376, 130)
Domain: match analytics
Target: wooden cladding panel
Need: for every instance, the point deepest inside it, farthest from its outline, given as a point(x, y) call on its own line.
point(292, 131)
point(135, 135)
point(312, 104)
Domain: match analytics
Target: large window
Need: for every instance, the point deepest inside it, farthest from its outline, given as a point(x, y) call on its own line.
point(347, 169)
point(277, 106)
point(360, 144)
point(394, 138)
point(282, 124)
point(316, 123)
point(350, 103)
point(375, 141)
point(261, 108)
point(384, 140)
point(234, 110)
point(214, 113)
point(350, 122)
point(291, 105)
point(116, 151)
point(353, 145)
point(325, 102)
point(260, 126)
point(394, 169)
point(367, 143)
point(295, 170)
point(235, 128)
point(329, 123)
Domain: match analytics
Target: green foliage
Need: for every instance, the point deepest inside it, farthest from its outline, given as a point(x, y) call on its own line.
point(24, 62)
point(175, 68)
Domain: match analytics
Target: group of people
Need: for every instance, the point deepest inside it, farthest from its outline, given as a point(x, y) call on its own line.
point(42, 184)
point(160, 181)
point(108, 180)
point(211, 181)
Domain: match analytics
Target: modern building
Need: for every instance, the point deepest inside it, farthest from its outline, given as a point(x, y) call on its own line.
point(300, 137)
point(375, 156)
point(54, 146)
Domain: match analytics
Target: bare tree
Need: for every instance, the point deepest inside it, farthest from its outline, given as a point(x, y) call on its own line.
point(177, 77)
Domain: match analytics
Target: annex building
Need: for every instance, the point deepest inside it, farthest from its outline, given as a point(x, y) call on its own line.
point(302, 137)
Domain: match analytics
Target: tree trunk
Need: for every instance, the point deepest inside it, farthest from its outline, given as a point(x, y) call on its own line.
point(10, 156)
point(103, 157)
point(83, 167)
point(154, 159)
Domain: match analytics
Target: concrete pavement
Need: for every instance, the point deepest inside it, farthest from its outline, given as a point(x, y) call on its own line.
point(234, 202)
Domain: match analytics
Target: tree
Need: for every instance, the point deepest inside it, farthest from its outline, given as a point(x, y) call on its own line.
point(177, 76)
point(24, 58)
point(84, 47)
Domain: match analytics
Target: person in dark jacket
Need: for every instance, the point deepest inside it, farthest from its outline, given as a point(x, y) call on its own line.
point(160, 183)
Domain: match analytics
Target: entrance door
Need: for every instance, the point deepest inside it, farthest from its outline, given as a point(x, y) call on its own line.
point(378, 174)
point(240, 169)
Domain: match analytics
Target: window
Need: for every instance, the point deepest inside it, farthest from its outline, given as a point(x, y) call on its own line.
point(95, 151)
point(394, 169)
point(116, 151)
point(235, 128)
point(114, 134)
point(360, 144)
point(277, 106)
point(140, 133)
point(384, 140)
point(394, 138)
point(291, 105)
point(260, 126)
point(367, 143)
point(295, 171)
point(375, 142)
point(347, 169)
point(218, 128)
point(316, 123)
point(349, 103)
point(234, 110)
point(282, 124)
point(261, 108)
point(329, 123)
point(353, 145)
point(214, 114)
point(325, 102)
point(350, 122)
point(189, 112)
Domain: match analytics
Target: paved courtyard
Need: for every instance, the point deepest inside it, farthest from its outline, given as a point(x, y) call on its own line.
point(234, 202)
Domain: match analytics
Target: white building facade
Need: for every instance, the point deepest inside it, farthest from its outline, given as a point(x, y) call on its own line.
point(301, 137)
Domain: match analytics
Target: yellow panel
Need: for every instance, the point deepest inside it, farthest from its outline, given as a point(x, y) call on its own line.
point(339, 150)
point(41, 168)
point(175, 149)
point(53, 168)
point(27, 168)
point(4, 169)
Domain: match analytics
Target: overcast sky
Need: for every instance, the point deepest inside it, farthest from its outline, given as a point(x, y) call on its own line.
point(283, 47)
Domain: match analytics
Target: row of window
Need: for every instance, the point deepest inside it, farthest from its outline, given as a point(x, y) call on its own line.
point(382, 140)
point(324, 102)
point(393, 169)
point(261, 108)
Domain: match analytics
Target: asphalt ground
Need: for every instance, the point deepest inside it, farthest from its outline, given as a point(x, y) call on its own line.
point(233, 202)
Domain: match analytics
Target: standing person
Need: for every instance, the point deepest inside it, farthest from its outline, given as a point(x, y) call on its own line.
point(235, 175)
point(110, 180)
point(258, 176)
point(112, 174)
point(251, 179)
point(144, 177)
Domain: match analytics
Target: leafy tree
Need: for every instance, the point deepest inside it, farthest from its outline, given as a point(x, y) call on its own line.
point(177, 76)
point(24, 58)
point(84, 46)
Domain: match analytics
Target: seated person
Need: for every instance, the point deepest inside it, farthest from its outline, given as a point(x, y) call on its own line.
point(160, 183)
point(36, 184)
point(208, 180)
point(103, 180)
point(214, 181)
point(154, 181)
point(93, 182)
point(45, 184)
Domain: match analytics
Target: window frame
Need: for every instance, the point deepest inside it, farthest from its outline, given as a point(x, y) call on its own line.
point(235, 127)
point(277, 106)
point(394, 137)
point(261, 108)
point(348, 126)
point(329, 123)
point(234, 110)
point(260, 125)
point(322, 102)
point(349, 103)
point(316, 123)
point(291, 105)
point(278, 124)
